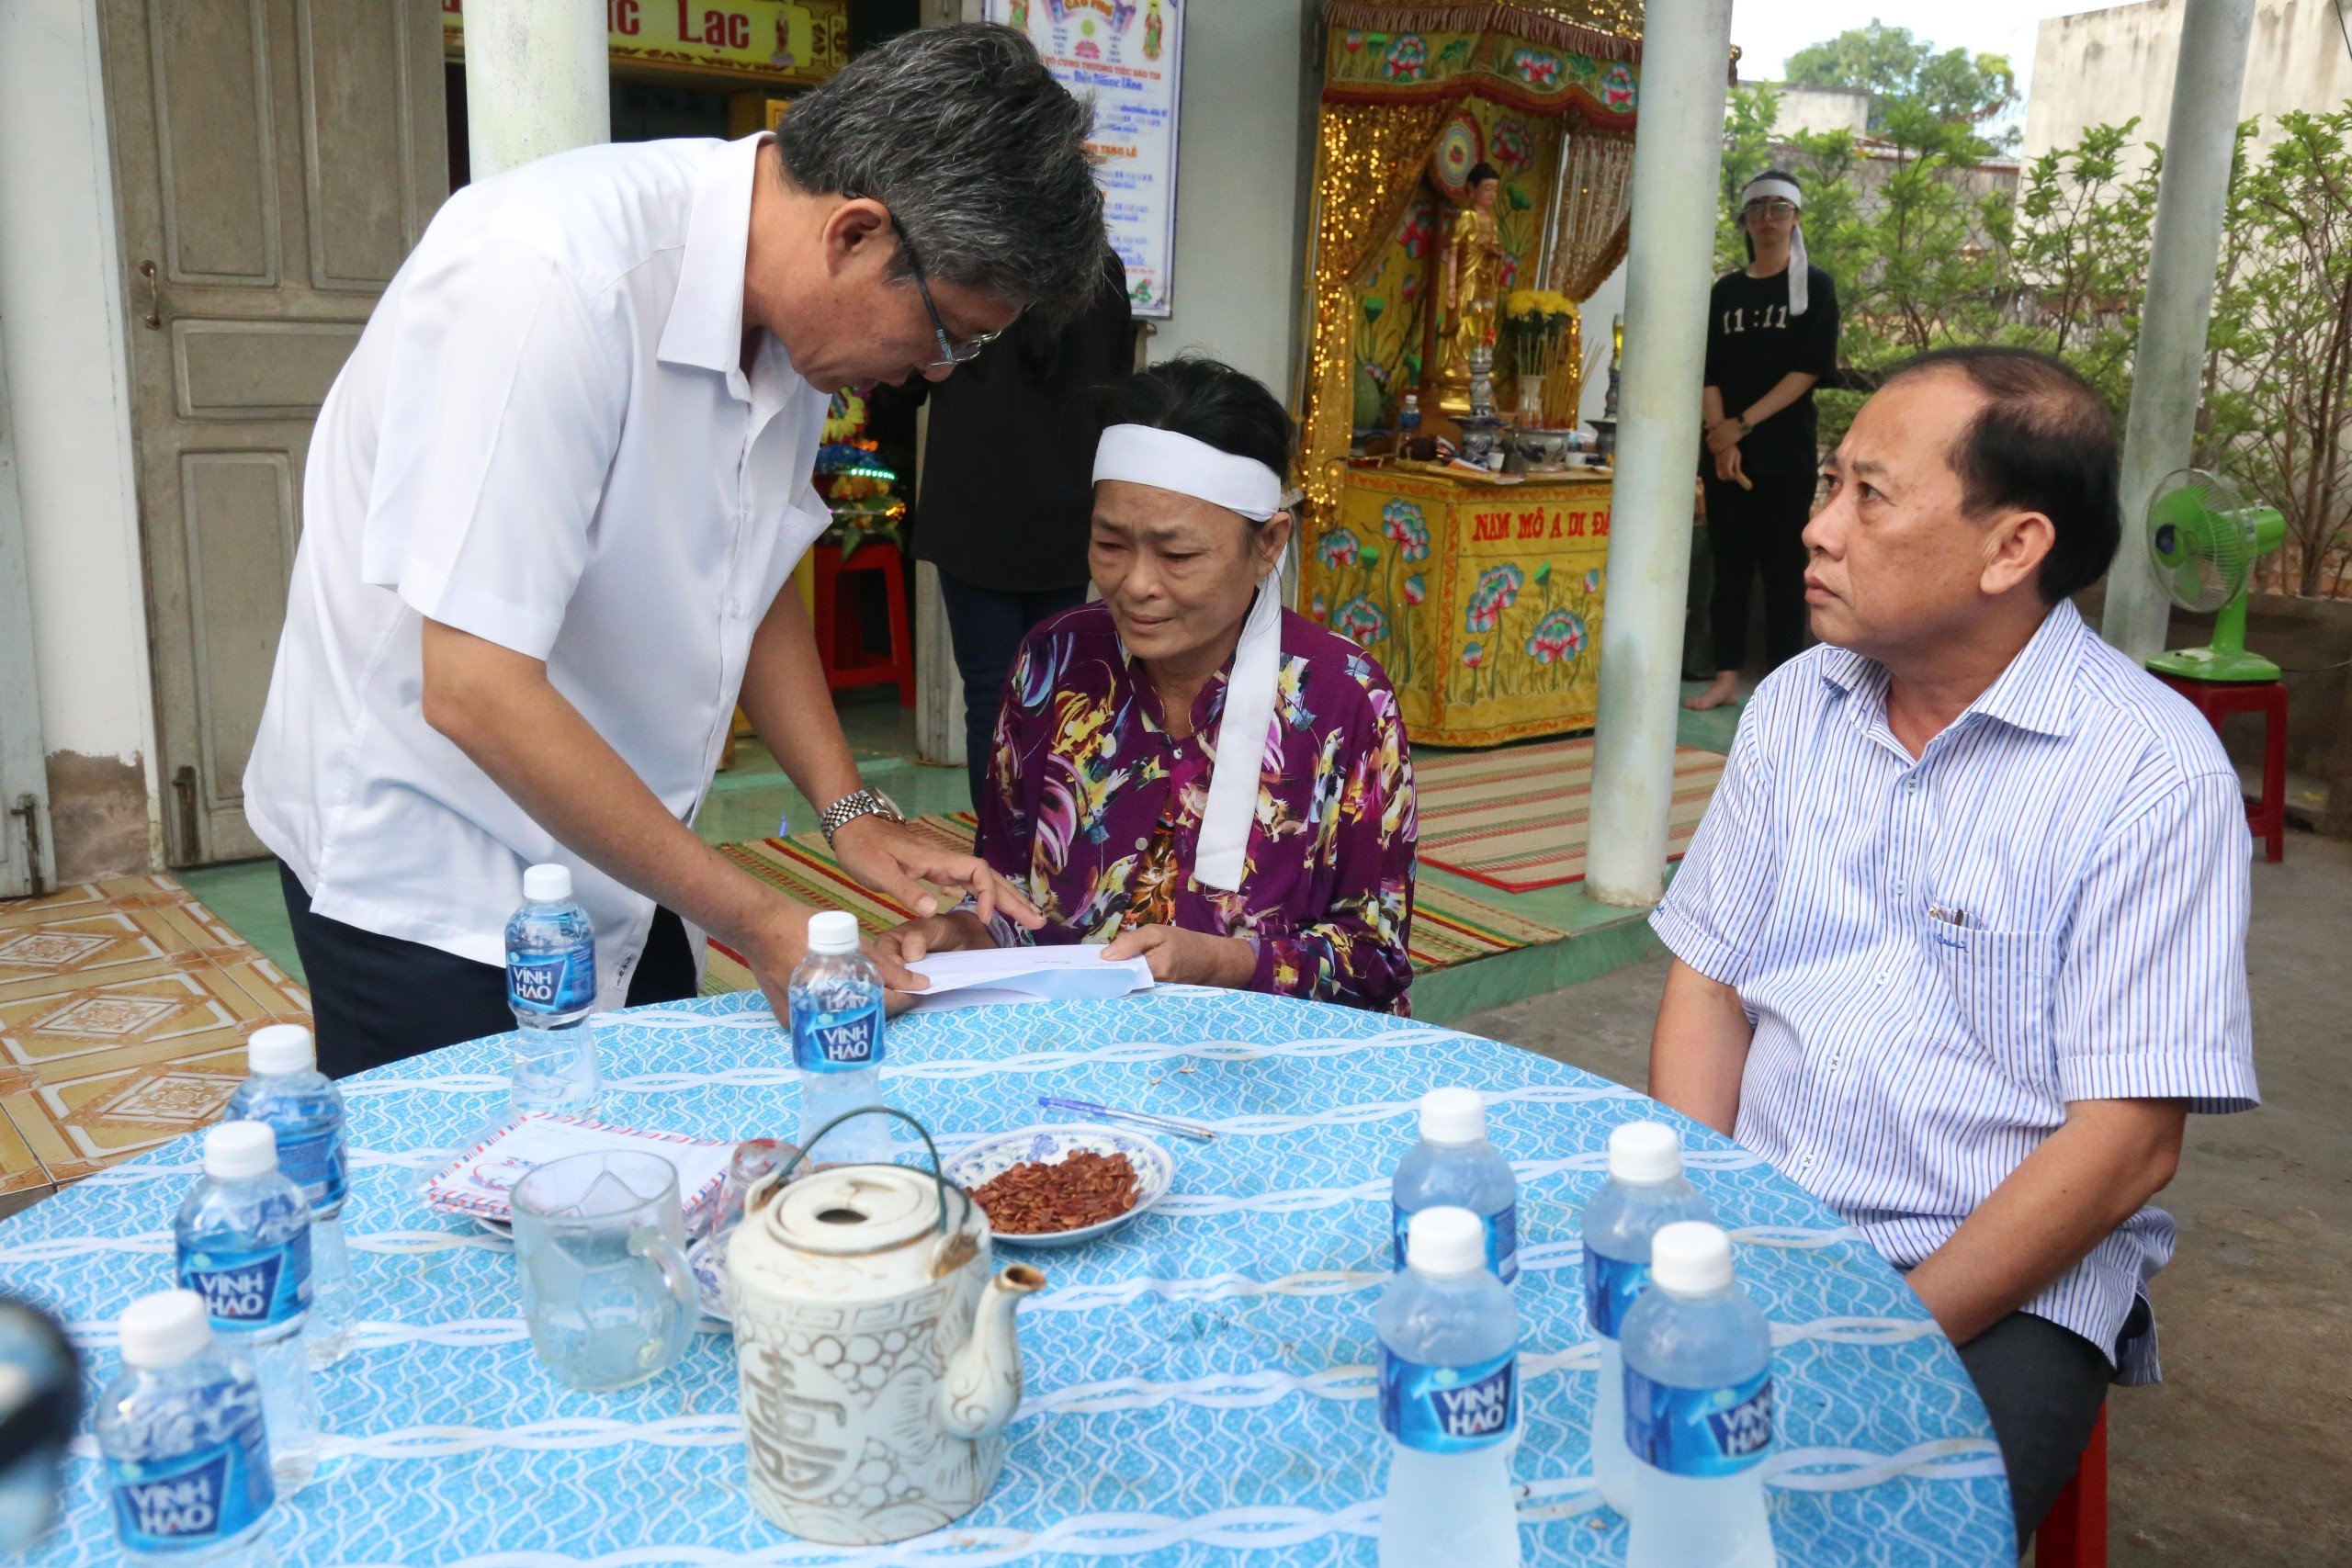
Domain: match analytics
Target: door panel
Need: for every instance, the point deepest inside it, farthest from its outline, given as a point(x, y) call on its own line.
point(274, 162)
point(240, 533)
point(257, 369)
point(358, 125)
point(213, 140)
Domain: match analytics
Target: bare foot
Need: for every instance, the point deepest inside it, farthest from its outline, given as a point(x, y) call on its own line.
point(1721, 690)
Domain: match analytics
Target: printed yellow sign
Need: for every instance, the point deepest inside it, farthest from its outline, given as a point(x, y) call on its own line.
point(764, 40)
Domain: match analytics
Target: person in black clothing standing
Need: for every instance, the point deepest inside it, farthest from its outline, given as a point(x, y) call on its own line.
point(1008, 489)
point(1772, 334)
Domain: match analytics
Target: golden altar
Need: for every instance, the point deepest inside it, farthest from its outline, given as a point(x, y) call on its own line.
point(1481, 601)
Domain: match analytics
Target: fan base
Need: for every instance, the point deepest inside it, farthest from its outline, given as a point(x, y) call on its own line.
point(2214, 664)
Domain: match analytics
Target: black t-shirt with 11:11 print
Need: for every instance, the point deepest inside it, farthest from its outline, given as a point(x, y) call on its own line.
point(1752, 342)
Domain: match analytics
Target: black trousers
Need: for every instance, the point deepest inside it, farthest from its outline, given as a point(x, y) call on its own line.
point(2043, 1386)
point(377, 998)
point(986, 627)
point(1750, 531)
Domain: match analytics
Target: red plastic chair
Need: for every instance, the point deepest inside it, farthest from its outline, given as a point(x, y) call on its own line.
point(2217, 700)
point(840, 641)
point(2075, 1534)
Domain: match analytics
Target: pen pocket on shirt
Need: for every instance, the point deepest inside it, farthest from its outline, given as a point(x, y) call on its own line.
point(2000, 983)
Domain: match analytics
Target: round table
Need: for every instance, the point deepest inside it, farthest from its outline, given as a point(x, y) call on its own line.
point(1199, 1384)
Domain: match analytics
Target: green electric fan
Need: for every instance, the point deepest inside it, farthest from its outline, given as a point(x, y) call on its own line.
point(2203, 544)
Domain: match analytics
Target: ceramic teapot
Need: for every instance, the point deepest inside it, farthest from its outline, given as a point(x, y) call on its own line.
point(875, 1348)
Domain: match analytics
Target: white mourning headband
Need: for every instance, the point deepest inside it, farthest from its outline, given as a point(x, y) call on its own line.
point(1800, 292)
point(1139, 453)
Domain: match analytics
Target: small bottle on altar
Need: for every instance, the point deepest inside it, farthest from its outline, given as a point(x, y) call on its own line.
point(1408, 417)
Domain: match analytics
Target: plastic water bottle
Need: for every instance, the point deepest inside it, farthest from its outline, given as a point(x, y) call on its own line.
point(187, 1466)
point(288, 1091)
point(552, 985)
point(836, 1000)
point(1645, 1193)
point(40, 1403)
point(245, 1248)
point(1454, 1163)
point(1698, 1409)
point(1449, 1401)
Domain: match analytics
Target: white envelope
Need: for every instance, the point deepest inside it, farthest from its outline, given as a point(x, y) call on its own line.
point(999, 976)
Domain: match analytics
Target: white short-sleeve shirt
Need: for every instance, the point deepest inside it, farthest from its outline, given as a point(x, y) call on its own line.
point(545, 439)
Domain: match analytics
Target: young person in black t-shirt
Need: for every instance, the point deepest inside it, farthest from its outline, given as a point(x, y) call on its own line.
point(1772, 333)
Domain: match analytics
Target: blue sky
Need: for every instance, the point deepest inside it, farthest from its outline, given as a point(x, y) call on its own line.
point(1768, 31)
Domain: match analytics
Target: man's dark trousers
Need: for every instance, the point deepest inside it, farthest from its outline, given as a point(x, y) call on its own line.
point(377, 998)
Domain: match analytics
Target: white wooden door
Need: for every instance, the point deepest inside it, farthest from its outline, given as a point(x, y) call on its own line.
point(24, 855)
point(274, 160)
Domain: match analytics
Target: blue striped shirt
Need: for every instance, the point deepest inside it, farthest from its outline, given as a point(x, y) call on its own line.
point(2048, 906)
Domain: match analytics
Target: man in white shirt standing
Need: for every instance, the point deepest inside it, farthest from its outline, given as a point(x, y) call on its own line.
point(1961, 941)
point(552, 503)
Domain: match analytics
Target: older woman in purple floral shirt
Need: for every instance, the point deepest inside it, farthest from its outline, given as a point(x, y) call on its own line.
point(1105, 802)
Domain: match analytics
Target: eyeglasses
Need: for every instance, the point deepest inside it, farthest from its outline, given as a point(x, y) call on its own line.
point(951, 352)
point(1771, 209)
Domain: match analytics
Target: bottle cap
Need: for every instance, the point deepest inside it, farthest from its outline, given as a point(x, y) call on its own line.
point(1691, 1258)
point(165, 1330)
point(1445, 1241)
point(1645, 1153)
point(281, 1048)
point(1452, 1116)
point(236, 1150)
point(548, 884)
point(835, 930)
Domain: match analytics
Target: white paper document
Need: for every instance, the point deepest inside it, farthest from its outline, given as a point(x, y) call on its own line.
point(1001, 976)
point(482, 1181)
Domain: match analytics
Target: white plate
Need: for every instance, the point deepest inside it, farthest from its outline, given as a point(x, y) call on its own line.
point(708, 1258)
point(983, 1162)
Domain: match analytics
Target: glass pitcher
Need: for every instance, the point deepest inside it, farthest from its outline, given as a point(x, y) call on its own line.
point(599, 1240)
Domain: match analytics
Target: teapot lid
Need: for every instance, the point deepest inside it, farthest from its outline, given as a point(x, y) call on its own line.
point(854, 1209)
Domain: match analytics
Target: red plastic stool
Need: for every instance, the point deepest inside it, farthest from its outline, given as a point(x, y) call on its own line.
point(2217, 699)
point(840, 641)
point(2075, 1533)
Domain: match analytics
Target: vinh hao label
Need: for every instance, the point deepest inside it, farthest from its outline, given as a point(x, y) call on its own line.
point(838, 1042)
point(252, 1288)
point(557, 983)
point(1698, 1431)
point(192, 1500)
point(1444, 1410)
point(315, 1164)
point(1502, 1238)
point(1611, 1285)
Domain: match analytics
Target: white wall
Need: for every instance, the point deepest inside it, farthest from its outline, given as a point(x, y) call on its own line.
point(69, 391)
point(1240, 185)
point(2103, 67)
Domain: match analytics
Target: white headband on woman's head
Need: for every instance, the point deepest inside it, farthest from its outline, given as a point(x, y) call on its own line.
point(1164, 460)
point(1799, 264)
point(1144, 454)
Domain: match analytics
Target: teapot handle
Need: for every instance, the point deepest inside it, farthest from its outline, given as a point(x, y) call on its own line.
point(784, 1172)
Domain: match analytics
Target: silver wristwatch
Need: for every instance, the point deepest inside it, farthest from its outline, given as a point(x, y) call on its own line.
point(854, 805)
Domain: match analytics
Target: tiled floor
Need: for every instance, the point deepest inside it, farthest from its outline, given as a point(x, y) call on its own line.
point(124, 1007)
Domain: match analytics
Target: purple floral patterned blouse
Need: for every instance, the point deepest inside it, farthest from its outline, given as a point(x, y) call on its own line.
point(1094, 811)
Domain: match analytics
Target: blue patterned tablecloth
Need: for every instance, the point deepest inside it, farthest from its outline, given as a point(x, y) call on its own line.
point(1200, 1384)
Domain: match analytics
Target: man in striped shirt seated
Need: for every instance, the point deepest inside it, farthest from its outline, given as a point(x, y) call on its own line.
point(1961, 943)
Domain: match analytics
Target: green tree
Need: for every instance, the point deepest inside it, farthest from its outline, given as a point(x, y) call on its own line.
point(2078, 249)
point(2279, 413)
point(1894, 67)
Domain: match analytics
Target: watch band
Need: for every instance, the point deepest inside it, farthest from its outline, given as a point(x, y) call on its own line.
point(854, 805)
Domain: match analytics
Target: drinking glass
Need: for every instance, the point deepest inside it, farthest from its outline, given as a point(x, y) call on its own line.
point(599, 1240)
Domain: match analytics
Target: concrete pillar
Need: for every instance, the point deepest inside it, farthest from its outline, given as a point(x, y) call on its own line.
point(2169, 367)
point(537, 81)
point(1678, 152)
